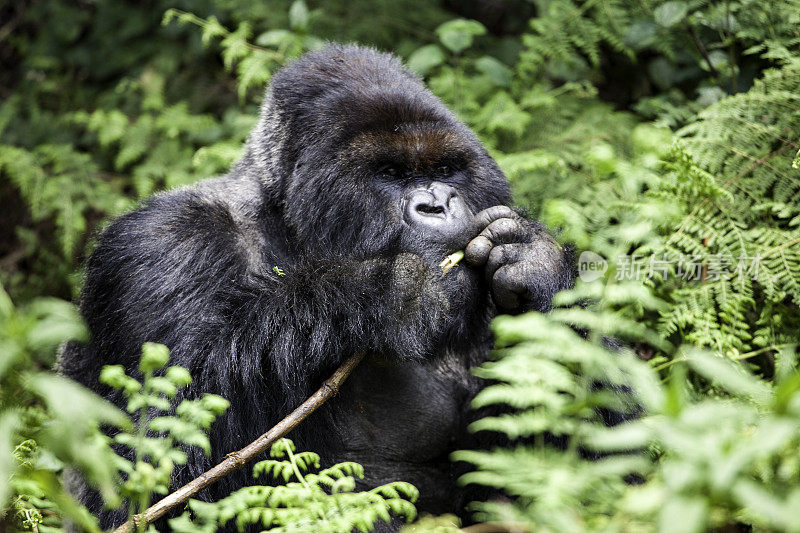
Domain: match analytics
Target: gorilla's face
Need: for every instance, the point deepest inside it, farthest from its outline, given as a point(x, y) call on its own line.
point(396, 177)
point(363, 159)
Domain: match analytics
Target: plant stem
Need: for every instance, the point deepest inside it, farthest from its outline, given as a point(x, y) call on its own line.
point(700, 47)
point(450, 261)
point(141, 434)
point(236, 460)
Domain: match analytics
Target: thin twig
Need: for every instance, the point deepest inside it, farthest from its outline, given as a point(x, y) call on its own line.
point(236, 460)
point(700, 47)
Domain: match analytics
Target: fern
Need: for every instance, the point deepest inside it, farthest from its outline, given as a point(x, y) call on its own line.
point(732, 177)
point(715, 460)
point(323, 501)
point(567, 31)
point(155, 440)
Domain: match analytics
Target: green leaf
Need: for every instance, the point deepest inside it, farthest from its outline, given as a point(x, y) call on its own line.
point(70, 403)
point(253, 71)
point(212, 29)
point(281, 447)
point(628, 436)
point(163, 386)
point(6, 305)
point(343, 484)
point(214, 403)
point(402, 508)
point(729, 375)
point(114, 376)
point(178, 375)
point(500, 74)
point(275, 38)
point(457, 35)
point(154, 356)
point(59, 321)
point(683, 515)
point(9, 422)
point(298, 16)
point(670, 13)
point(425, 58)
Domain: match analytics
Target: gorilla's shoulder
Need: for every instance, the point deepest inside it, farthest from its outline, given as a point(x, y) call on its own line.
point(213, 205)
point(220, 215)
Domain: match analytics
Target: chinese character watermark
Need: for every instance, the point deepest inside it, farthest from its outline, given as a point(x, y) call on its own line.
point(692, 268)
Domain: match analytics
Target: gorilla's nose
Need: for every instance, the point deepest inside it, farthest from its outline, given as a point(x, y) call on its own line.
point(439, 212)
point(432, 202)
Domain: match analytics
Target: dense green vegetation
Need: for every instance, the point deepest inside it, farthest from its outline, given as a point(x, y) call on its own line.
point(663, 136)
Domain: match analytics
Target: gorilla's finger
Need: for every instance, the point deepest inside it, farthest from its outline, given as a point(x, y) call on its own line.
point(490, 214)
point(477, 250)
point(501, 231)
point(506, 287)
point(506, 231)
point(501, 255)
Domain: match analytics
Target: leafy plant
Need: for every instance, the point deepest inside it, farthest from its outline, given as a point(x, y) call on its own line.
point(155, 440)
point(325, 501)
point(47, 421)
point(714, 461)
point(737, 194)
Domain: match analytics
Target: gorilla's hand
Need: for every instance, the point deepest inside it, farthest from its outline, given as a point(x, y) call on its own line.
point(524, 265)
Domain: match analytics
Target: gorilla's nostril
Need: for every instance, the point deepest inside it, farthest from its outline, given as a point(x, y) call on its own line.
point(430, 209)
point(451, 197)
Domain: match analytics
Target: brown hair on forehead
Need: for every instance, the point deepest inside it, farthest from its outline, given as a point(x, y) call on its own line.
point(417, 146)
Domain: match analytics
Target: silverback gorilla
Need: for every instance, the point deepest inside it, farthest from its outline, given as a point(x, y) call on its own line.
point(356, 182)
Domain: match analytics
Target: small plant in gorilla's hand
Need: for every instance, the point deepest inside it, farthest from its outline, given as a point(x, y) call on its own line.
point(314, 502)
point(450, 261)
point(156, 440)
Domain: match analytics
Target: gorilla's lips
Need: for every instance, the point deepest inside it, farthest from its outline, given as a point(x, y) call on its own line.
point(439, 215)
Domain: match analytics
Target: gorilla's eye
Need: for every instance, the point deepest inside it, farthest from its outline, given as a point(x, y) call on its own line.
point(391, 171)
point(445, 170)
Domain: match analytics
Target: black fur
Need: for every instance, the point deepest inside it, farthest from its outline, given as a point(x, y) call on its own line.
point(193, 269)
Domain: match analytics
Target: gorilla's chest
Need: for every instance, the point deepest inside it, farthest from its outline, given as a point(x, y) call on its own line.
point(404, 412)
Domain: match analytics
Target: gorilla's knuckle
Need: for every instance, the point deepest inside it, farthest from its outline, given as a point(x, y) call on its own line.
point(505, 290)
point(507, 227)
point(509, 277)
point(490, 214)
point(497, 255)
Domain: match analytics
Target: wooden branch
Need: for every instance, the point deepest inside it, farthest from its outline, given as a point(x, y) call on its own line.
point(236, 460)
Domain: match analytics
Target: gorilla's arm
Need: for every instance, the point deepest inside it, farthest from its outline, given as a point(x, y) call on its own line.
point(180, 271)
point(321, 311)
